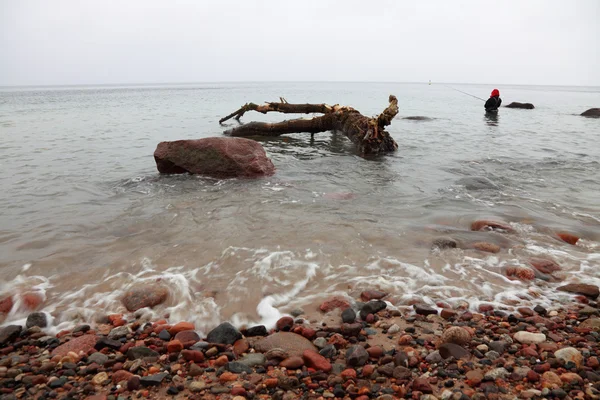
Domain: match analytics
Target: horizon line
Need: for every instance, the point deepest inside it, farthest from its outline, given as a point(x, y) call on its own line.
point(274, 81)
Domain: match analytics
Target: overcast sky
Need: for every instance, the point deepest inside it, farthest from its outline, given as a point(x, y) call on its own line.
point(52, 42)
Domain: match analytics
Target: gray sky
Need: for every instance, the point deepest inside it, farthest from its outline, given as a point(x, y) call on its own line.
point(50, 42)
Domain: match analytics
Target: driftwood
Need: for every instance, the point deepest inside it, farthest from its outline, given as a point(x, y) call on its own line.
point(368, 134)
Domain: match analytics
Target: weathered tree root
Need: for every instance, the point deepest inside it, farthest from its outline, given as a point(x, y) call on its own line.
point(368, 134)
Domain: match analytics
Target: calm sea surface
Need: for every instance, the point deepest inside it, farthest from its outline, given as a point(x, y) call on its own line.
point(85, 215)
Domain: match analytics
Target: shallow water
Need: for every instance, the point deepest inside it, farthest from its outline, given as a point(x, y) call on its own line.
point(85, 214)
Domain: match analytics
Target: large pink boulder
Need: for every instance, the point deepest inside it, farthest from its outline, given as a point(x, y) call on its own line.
point(215, 156)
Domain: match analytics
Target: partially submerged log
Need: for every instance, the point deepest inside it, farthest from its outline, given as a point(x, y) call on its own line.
point(368, 134)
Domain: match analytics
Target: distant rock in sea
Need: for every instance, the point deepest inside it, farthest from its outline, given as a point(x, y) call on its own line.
point(418, 118)
point(592, 112)
point(524, 106)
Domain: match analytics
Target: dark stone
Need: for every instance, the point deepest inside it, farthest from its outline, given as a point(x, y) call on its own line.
point(498, 346)
point(153, 380)
point(60, 382)
point(36, 319)
point(592, 112)
point(224, 334)
point(258, 330)
point(81, 328)
point(356, 356)
point(372, 307)
point(9, 333)
point(172, 390)
point(448, 350)
point(218, 157)
point(348, 316)
point(540, 310)
point(238, 368)
point(135, 353)
point(164, 335)
point(328, 351)
point(524, 106)
point(104, 342)
point(351, 329)
point(423, 309)
point(561, 394)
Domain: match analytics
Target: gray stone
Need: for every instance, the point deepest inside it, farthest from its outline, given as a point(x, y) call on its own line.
point(119, 332)
point(98, 358)
point(496, 373)
point(498, 346)
point(253, 360)
point(320, 342)
point(153, 380)
point(135, 353)
point(328, 351)
point(372, 307)
point(237, 367)
point(434, 357)
point(393, 329)
point(356, 356)
point(492, 355)
point(196, 386)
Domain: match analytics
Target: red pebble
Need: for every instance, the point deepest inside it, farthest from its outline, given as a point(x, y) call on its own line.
point(309, 333)
point(315, 360)
point(238, 391)
point(180, 327)
point(349, 374)
point(174, 346)
point(192, 355)
point(285, 323)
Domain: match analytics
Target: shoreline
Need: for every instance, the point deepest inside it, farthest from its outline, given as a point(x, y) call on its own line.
point(417, 352)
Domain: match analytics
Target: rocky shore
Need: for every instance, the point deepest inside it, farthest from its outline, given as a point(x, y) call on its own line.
point(361, 349)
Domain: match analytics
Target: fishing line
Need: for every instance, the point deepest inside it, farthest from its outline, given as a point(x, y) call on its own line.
point(449, 87)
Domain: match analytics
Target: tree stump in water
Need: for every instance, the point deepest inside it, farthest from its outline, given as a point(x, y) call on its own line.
point(368, 134)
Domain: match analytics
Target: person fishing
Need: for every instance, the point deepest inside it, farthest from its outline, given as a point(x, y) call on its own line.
point(493, 103)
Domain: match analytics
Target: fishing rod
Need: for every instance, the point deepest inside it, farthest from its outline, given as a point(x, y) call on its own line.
point(449, 87)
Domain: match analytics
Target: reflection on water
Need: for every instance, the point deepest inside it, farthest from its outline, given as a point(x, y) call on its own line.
point(87, 214)
point(492, 118)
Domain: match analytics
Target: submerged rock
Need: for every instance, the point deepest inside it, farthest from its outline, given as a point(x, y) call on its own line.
point(592, 112)
point(444, 243)
point(591, 291)
point(418, 118)
point(524, 106)
point(36, 319)
point(487, 225)
point(476, 183)
point(215, 156)
point(144, 296)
